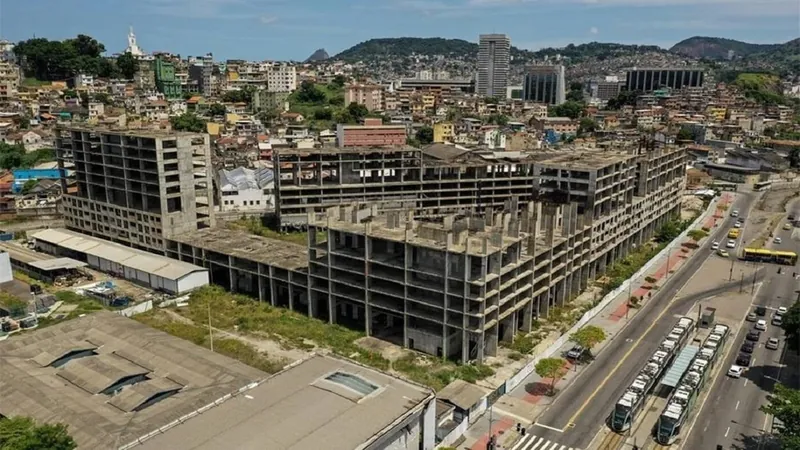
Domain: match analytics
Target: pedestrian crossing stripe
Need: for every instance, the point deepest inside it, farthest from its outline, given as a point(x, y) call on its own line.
point(531, 442)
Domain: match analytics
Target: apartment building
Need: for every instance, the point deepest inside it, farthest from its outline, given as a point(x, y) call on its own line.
point(202, 72)
point(136, 188)
point(493, 65)
point(281, 77)
point(369, 95)
point(443, 132)
point(372, 134)
point(457, 286)
point(648, 80)
point(9, 81)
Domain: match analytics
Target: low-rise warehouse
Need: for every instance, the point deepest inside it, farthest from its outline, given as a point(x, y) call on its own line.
point(153, 271)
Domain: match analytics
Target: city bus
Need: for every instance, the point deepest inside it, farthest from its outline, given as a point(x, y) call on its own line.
point(762, 185)
point(770, 256)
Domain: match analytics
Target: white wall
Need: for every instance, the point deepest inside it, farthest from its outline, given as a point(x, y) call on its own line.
point(242, 200)
point(5, 268)
point(192, 281)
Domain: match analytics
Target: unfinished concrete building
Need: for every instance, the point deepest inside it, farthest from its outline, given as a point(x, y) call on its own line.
point(458, 286)
point(136, 187)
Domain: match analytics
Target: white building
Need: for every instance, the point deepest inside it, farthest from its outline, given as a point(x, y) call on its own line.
point(83, 80)
point(281, 77)
point(493, 65)
point(133, 47)
point(243, 189)
point(6, 274)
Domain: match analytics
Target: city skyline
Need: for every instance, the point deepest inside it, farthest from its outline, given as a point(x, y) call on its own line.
point(282, 30)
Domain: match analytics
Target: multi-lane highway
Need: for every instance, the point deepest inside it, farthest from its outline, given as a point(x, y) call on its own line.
point(731, 417)
point(581, 410)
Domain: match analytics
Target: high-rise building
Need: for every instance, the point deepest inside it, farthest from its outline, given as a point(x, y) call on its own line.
point(202, 71)
point(137, 187)
point(544, 84)
point(493, 65)
point(647, 80)
point(166, 83)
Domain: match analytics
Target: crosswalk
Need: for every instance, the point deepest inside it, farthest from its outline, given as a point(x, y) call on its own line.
point(531, 442)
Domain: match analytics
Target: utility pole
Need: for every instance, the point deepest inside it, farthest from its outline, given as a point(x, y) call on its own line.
point(210, 333)
point(741, 284)
point(730, 274)
point(753, 287)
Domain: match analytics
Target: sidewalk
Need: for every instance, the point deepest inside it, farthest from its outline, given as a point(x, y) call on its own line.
point(526, 402)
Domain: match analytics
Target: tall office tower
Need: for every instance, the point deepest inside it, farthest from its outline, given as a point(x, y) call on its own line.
point(544, 84)
point(136, 187)
point(493, 64)
point(647, 80)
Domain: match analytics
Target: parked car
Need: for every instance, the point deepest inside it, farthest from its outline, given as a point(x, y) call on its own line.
point(747, 347)
point(753, 336)
point(761, 325)
point(735, 371)
point(576, 352)
point(777, 320)
point(772, 343)
point(761, 311)
point(782, 310)
point(752, 317)
point(743, 360)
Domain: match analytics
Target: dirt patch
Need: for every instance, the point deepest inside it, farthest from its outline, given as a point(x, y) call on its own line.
point(775, 200)
point(691, 206)
point(388, 350)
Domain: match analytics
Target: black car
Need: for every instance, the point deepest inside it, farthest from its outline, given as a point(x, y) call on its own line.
point(748, 347)
point(761, 311)
point(576, 352)
point(754, 336)
point(743, 360)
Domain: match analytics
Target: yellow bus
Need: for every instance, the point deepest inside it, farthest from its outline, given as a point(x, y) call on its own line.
point(733, 234)
point(770, 256)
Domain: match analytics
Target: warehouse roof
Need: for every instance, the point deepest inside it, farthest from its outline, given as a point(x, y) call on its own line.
point(164, 267)
point(111, 379)
point(320, 402)
point(56, 264)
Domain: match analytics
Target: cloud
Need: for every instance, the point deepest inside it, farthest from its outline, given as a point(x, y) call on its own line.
point(208, 9)
point(268, 19)
point(593, 30)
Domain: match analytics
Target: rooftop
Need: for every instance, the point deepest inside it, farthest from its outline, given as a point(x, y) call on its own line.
point(242, 244)
point(164, 267)
point(582, 158)
point(148, 132)
point(111, 379)
point(318, 403)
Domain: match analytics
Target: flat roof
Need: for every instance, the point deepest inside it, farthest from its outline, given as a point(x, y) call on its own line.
point(244, 245)
point(682, 361)
point(74, 373)
point(319, 403)
point(731, 168)
point(462, 394)
point(161, 266)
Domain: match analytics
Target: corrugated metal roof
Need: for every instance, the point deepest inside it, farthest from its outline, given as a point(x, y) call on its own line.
point(164, 267)
point(680, 365)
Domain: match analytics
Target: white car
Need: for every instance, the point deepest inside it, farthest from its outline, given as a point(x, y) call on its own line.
point(761, 325)
point(735, 213)
point(731, 243)
point(735, 371)
point(715, 245)
point(782, 310)
point(772, 343)
point(777, 240)
point(737, 225)
point(777, 320)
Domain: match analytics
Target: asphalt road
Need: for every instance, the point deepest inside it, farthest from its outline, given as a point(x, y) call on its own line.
point(581, 409)
point(731, 417)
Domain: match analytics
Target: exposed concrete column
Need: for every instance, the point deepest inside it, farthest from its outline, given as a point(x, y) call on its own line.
point(328, 266)
point(367, 276)
point(447, 256)
point(406, 265)
point(527, 316)
point(467, 302)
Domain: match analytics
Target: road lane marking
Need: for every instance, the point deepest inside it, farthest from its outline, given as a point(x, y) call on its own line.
point(727, 431)
point(737, 405)
point(745, 381)
point(560, 430)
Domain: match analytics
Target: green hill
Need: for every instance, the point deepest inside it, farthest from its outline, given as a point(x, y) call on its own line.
point(718, 48)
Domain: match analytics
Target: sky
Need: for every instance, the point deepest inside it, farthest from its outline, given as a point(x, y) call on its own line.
point(293, 29)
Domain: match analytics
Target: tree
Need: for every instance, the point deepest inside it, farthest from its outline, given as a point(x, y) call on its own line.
point(323, 114)
point(576, 86)
point(217, 109)
point(571, 109)
point(784, 405)
point(339, 80)
point(791, 325)
point(684, 134)
point(624, 98)
point(696, 235)
point(497, 119)
point(357, 111)
point(30, 184)
point(22, 433)
point(575, 95)
point(188, 122)
point(243, 95)
point(668, 231)
point(425, 135)
point(128, 65)
point(588, 336)
point(309, 93)
point(587, 125)
point(549, 368)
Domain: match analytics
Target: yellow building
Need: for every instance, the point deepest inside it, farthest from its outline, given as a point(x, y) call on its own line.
point(428, 101)
point(443, 132)
point(716, 113)
point(213, 128)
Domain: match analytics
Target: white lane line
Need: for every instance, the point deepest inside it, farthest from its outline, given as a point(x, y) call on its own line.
point(548, 427)
point(737, 406)
point(746, 380)
point(727, 431)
